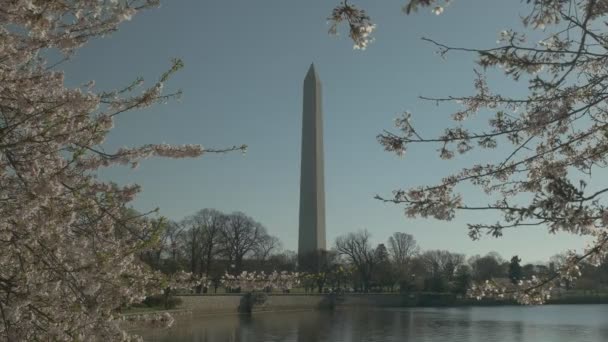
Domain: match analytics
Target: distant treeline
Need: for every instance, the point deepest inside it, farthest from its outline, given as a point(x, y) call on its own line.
point(214, 243)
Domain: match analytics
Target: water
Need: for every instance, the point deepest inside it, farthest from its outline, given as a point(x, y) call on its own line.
point(551, 323)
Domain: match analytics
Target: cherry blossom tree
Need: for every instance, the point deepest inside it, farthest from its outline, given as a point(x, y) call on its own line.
point(553, 138)
point(68, 252)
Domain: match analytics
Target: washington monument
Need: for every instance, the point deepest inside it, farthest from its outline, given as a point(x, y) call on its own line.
point(312, 184)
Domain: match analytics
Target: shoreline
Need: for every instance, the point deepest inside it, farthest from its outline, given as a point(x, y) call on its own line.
point(237, 304)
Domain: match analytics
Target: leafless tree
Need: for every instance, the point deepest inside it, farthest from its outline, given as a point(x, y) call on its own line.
point(160, 237)
point(240, 236)
point(170, 239)
point(442, 263)
point(286, 260)
point(487, 267)
point(191, 243)
point(211, 222)
point(402, 247)
point(358, 250)
point(167, 246)
point(266, 246)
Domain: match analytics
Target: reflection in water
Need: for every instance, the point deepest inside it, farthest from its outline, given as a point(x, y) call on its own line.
point(310, 327)
point(555, 323)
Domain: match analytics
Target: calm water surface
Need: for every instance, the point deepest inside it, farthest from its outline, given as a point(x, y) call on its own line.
point(551, 323)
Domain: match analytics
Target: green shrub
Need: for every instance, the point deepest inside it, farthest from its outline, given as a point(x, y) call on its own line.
point(162, 301)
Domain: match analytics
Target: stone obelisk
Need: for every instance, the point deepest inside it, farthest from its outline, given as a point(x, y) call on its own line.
point(312, 184)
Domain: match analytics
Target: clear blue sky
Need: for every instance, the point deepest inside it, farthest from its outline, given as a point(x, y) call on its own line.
point(245, 64)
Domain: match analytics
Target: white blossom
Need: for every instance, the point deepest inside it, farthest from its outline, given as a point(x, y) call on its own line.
point(547, 143)
point(67, 242)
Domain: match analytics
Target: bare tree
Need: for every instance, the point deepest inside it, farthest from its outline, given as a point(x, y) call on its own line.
point(266, 246)
point(385, 273)
point(402, 247)
point(240, 236)
point(285, 260)
point(492, 265)
point(211, 222)
point(166, 247)
point(357, 248)
point(191, 243)
point(170, 239)
point(442, 263)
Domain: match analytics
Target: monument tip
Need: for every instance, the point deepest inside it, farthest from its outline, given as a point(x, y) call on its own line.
point(312, 73)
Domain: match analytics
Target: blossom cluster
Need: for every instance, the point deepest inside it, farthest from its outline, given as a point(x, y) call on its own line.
point(259, 281)
point(533, 291)
point(437, 8)
point(163, 320)
point(360, 26)
point(186, 280)
point(526, 292)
